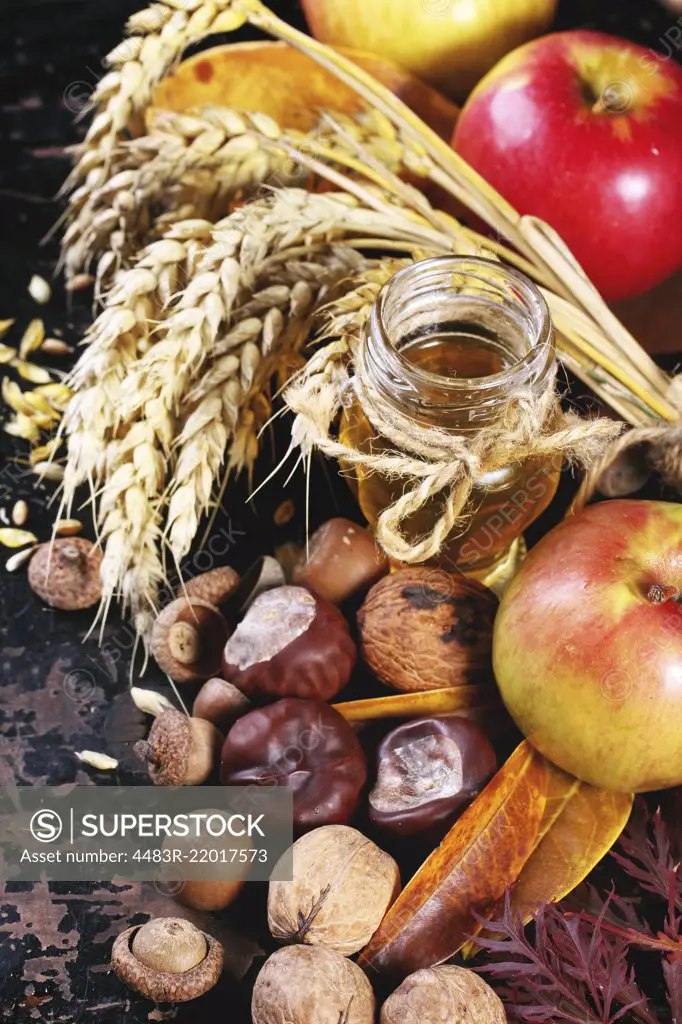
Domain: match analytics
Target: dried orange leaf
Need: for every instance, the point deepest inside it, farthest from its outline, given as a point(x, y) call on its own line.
point(13, 538)
point(418, 705)
point(580, 825)
point(34, 335)
point(479, 859)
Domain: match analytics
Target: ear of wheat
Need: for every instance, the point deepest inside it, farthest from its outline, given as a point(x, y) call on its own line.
point(174, 384)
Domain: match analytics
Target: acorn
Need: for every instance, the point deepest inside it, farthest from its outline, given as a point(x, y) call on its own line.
point(180, 751)
point(214, 586)
point(188, 639)
point(66, 573)
point(168, 960)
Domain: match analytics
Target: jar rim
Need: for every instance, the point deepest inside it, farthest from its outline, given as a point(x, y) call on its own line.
point(537, 358)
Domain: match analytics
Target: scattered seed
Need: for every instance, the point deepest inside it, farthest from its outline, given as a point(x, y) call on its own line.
point(39, 290)
point(32, 339)
point(11, 395)
point(78, 282)
point(20, 558)
point(20, 513)
point(34, 374)
point(49, 470)
point(39, 404)
point(56, 347)
point(4, 517)
point(68, 527)
point(44, 452)
point(97, 760)
point(59, 395)
point(5, 326)
point(7, 354)
point(12, 538)
point(24, 427)
point(285, 513)
point(151, 702)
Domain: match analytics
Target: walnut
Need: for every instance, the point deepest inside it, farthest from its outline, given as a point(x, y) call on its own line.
point(311, 985)
point(423, 629)
point(443, 995)
point(342, 886)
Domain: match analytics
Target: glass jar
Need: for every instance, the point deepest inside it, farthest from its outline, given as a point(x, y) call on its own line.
point(448, 341)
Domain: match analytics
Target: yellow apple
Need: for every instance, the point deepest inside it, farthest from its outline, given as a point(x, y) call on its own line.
point(450, 43)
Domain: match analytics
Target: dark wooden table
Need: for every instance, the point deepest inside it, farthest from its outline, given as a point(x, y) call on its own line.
point(60, 694)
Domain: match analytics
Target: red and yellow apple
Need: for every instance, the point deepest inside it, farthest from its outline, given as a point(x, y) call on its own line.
point(584, 131)
point(450, 43)
point(588, 645)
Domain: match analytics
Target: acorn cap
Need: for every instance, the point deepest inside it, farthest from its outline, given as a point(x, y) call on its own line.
point(166, 986)
point(66, 573)
point(167, 749)
point(214, 586)
point(188, 639)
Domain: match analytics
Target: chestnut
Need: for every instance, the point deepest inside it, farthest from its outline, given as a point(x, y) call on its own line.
point(290, 643)
point(428, 770)
point(304, 745)
point(341, 559)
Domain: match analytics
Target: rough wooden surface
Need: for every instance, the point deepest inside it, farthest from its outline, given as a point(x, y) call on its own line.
point(60, 694)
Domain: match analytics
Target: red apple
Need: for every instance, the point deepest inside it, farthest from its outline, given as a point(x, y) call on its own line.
point(585, 131)
point(588, 645)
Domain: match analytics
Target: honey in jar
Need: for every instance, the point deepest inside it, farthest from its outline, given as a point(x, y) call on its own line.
point(448, 342)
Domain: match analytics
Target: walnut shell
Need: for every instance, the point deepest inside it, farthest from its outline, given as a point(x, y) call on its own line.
point(290, 643)
point(423, 629)
point(311, 985)
point(443, 995)
point(342, 886)
point(65, 573)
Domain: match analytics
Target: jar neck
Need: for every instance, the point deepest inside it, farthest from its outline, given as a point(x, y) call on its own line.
point(450, 339)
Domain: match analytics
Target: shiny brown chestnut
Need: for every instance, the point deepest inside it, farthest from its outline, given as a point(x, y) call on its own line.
point(428, 770)
point(304, 745)
point(290, 643)
point(341, 559)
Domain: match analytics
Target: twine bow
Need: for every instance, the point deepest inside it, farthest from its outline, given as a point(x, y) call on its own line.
point(438, 464)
